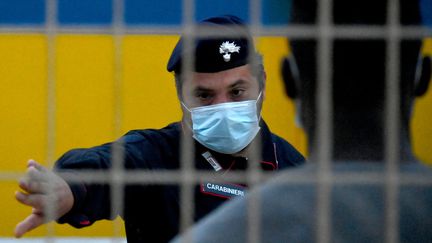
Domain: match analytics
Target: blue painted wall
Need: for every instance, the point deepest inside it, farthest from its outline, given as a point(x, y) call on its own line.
point(22, 12)
point(85, 11)
point(151, 12)
point(136, 12)
point(426, 9)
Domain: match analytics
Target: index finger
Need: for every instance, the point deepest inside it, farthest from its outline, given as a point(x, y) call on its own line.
point(33, 163)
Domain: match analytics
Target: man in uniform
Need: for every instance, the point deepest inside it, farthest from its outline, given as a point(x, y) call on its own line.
point(221, 101)
point(357, 207)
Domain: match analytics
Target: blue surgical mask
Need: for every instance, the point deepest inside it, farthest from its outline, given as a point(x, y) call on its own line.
point(227, 127)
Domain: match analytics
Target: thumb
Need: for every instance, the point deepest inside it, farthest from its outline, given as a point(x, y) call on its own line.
point(31, 222)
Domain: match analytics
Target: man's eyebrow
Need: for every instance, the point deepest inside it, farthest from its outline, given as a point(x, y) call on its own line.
point(202, 89)
point(205, 89)
point(238, 82)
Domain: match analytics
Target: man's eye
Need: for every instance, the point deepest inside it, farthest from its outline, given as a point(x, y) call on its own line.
point(237, 92)
point(204, 96)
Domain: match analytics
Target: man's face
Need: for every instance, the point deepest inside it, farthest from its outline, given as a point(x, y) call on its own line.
point(233, 85)
point(237, 84)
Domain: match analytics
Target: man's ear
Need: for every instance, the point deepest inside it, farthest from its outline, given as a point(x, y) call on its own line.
point(423, 75)
point(291, 76)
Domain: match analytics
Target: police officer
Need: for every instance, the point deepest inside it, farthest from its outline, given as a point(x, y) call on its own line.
point(221, 101)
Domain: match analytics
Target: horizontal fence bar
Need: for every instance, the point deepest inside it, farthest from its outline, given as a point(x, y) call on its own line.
point(292, 31)
point(175, 177)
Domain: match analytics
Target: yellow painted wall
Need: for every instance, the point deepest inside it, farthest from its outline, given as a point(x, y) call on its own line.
point(86, 110)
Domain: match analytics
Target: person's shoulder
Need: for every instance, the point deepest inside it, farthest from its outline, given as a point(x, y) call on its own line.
point(153, 148)
point(417, 167)
point(170, 132)
point(286, 151)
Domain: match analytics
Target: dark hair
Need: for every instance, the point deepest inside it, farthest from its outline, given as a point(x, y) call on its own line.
point(358, 66)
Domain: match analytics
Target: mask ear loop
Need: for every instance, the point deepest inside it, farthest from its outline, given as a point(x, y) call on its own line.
point(256, 105)
point(190, 112)
point(183, 104)
point(259, 96)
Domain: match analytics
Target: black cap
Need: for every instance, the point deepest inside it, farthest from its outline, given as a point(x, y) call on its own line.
point(219, 53)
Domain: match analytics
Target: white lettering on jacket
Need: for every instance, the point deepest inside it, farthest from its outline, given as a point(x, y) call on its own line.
point(225, 189)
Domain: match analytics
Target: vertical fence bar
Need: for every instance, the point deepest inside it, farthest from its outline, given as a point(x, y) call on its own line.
point(50, 33)
point(325, 112)
point(392, 122)
point(253, 169)
point(117, 168)
point(187, 202)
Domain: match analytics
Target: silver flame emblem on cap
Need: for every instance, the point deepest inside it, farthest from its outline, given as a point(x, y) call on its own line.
point(226, 48)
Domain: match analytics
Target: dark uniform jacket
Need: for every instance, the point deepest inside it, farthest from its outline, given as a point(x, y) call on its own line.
point(151, 212)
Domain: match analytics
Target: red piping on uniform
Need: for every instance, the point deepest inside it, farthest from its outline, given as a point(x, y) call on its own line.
point(275, 165)
point(85, 222)
point(229, 168)
point(270, 163)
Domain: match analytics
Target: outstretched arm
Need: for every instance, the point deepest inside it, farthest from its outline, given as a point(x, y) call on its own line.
point(41, 186)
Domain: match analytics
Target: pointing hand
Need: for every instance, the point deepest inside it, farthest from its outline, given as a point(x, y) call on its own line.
point(41, 186)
